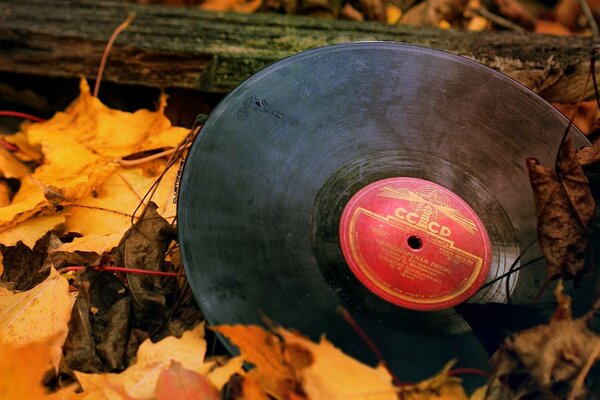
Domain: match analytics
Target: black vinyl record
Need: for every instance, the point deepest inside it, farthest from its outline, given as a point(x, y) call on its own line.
point(267, 185)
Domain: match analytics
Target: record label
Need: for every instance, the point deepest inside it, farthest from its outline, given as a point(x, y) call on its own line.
point(414, 243)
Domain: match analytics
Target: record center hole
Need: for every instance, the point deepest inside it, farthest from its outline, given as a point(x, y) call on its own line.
point(414, 242)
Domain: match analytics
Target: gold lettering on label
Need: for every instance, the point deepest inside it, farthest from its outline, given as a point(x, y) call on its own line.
point(414, 219)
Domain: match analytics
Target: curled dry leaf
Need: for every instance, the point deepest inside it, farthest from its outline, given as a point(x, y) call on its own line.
point(440, 386)
point(565, 207)
point(547, 359)
point(39, 314)
point(589, 155)
point(143, 247)
point(290, 365)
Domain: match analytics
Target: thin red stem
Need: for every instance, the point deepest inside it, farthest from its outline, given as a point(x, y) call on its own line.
point(8, 146)
point(372, 346)
point(109, 45)
point(119, 269)
point(468, 371)
point(18, 114)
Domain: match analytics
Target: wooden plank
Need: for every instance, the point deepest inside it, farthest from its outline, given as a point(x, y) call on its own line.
point(191, 48)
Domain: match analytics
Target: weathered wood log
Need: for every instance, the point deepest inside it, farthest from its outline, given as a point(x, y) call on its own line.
point(190, 48)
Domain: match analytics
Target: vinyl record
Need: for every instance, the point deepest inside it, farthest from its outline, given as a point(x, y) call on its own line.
point(386, 178)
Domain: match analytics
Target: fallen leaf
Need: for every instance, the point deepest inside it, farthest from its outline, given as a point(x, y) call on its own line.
point(27, 152)
point(434, 12)
point(103, 219)
point(143, 247)
point(140, 379)
point(79, 349)
point(327, 373)
point(22, 368)
point(553, 28)
point(373, 10)
point(586, 112)
point(11, 167)
point(251, 388)
point(288, 364)
point(39, 314)
point(393, 14)
point(25, 266)
point(31, 230)
point(5, 193)
point(565, 207)
point(241, 6)
point(219, 374)
point(439, 387)
point(547, 359)
point(109, 133)
point(516, 12)
point(177, 382)
point(80, 148)
point(589, 155)
point(266, 352)
point(568, 13)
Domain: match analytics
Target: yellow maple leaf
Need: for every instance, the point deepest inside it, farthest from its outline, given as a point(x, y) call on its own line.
point(81, 147)
point(335, 375)
point(11, 167)
point(107, 132)
point(31, 230)
point(140, 379)
point(322, 370)
point(38, 314)
point(103, 219)
point(22, 369)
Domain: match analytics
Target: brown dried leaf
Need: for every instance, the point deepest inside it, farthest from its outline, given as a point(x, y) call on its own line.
point(439, 387)
point(143, 247)
point(514, 11)
point(435, 12)
point(565, 207)
point(589, 155)
point(547, 358)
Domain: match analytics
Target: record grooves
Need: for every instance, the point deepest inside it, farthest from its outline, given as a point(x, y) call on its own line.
point(386, 178)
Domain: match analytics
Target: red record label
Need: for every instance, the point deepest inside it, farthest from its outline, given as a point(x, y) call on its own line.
point(415, 243)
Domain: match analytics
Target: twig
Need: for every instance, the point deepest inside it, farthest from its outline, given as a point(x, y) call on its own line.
point(590, 18)
point(137, 159)
point(17, 114)
point(498, 20)
point(468, 371)
point(372, 346)
point(119, 269)
point(111, 41)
